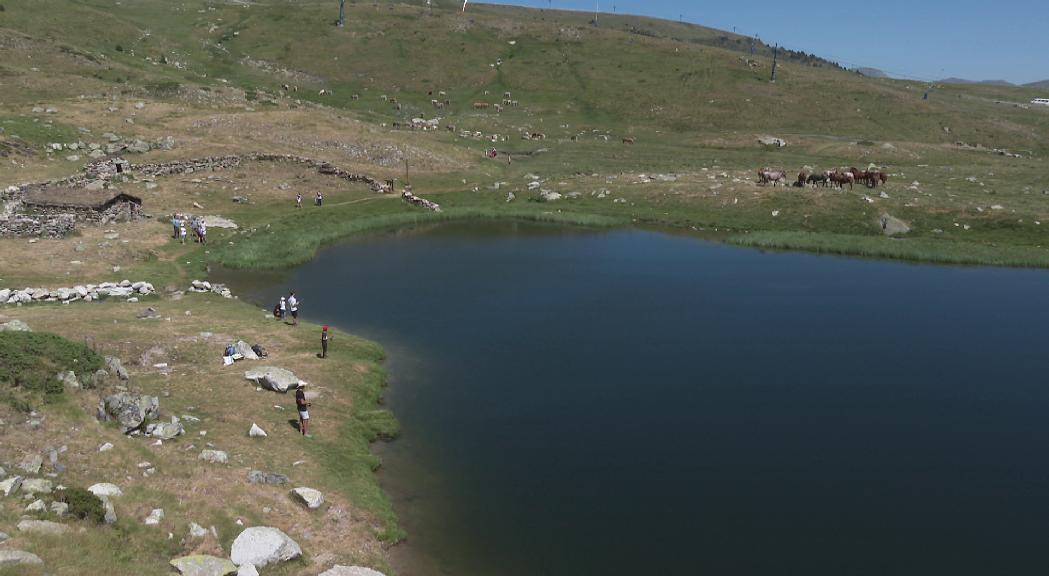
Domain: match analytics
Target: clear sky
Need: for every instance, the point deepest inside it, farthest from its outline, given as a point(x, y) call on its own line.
point(921, 39)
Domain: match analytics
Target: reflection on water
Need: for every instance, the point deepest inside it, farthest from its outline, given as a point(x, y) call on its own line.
point(625, 402)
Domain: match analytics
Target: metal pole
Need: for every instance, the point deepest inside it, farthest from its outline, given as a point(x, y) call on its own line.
point(775, 55)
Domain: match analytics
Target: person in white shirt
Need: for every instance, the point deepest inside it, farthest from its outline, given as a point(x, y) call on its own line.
point(293, 304)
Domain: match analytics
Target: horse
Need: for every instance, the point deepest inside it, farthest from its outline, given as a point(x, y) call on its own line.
point(767, 175)
point(815, 179)
point(803, 177)
point(628, 140)
point(841, 178)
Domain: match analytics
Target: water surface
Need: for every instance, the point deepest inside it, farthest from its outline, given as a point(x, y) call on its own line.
point(630, 402)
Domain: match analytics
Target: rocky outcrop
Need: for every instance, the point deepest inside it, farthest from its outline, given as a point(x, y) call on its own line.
point(203, 565)
point(272, 378)
point(892, 226)
point(205, 286)
point(414, 200)
point(263, 546)
point(260, 477)
point(244, 349)
point(14, 325)
point(105, 489)
point(166, 430)
point(83, 293)
point(131, 410)
point(10, 485)
point(115, 367)
point(36, 486)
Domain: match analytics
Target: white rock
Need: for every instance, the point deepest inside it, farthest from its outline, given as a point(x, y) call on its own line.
point(247, 570)
point(197, 531)
point(154, 517)
point(59, 508)
point(18, 558)
point(262, 546)
point(36, 506)
point(42, 527)
point(11, 485)
point(256, 432)
point(105, 447)
point(313, 499)
point(36, 486)
point(105, 489)
point(214, 456)
point(203, 565)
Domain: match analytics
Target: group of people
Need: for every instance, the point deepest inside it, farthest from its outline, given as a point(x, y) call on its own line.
point(182, 224)
point(288, 304)
point(319, 200)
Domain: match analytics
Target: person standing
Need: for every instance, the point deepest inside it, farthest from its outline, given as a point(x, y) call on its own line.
point(324, 341)
point(303, 407)
point(293, 304)
point(182, 231)
point(283, 308)
point(298, 199)
point(320, 199)
point(203, 232)
point(174, 226)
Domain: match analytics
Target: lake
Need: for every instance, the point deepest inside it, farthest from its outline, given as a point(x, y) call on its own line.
point(632, 402)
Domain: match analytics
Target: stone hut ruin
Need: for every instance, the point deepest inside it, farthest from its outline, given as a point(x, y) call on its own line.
point(91, 206)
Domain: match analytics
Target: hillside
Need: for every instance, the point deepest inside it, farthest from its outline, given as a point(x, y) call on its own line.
point(229, 109)
point(1042, 84)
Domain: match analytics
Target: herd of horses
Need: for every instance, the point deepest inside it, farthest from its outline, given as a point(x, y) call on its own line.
point(839, 178)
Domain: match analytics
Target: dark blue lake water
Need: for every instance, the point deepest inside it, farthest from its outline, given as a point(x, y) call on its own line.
point(631, 402)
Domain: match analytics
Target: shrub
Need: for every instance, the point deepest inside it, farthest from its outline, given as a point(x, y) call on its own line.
point(120, 48)
point(84, 505)
point(30, 360)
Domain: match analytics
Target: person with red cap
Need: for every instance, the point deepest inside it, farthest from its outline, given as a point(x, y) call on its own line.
point(324, 341)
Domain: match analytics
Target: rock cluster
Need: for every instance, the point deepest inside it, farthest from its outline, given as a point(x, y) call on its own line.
point(262, 546)
point(84, 292)
point(205, 286)
point(414, 200)
point(272, 378)
point(131, 410)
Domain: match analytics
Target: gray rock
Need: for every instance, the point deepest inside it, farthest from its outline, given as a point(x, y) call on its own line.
point(214, 456)
point(892, 226)
point(36, 506)
point(203, 565)
point(99, 378)
point(111, 513)
point(244, 349)
point(338, 570)
point(138, 147)
point(260, 477)
point(15, 326)
point(3, 537)
point(114, 366)
point(168, 430)
point(772, 141)
point(247, 570)
point(272, 378)
point(256, 432)
point(105, 447)
point(262, 546)
point(42, 527)
point(313, 499)
point(18, 558)
point(131, 410)
point(59, 509)
point(36, 486)
point(11, 485)
point(197, 531)
point(31, 463)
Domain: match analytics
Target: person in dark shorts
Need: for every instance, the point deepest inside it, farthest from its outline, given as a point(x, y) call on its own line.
point(303, 407)
point(324, 341)
point(293, 304)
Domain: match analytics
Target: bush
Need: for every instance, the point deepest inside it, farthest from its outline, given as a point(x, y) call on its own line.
point(120, 48)
point(84, 505)
point(30, 360)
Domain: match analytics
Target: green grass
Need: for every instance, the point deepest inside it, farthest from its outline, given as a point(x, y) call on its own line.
point(913, 249)
point(29, 362)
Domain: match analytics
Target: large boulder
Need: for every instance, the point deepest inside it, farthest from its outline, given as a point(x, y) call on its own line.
point(772, 141)
point(42, 527)
point(68, 380)
point(18, 558)
point(244, 349)
point(260, 477)
point(262, 546)
point(36, 486)
point(131, 410)
point(892, 226)
point(313, 499)
point(203, 565)
point(338, 570)
point(272, 378)
point(247, 570)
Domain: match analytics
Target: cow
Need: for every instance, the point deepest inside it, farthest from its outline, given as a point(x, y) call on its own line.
point(481, 105)
point(628, 140)
point(355, 97)
point(537, 136)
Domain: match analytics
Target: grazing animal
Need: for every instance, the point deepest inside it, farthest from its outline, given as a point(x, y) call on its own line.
point(820, 179)
point(537, 135)
point(355, 97)
point(767, 175)
point(480, 105)
point(628, 140)
point(803, 176)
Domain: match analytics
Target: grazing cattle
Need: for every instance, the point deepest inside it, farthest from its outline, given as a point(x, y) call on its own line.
point(514, 103)
point(397, 107)
point(537, 136)
point(393, 100)
point(498, 108)
point(506, 95)
point(480, 105)
point(767, 175)
point(628, 140)
point(384, 98)
point(451, 127)
point(286, 87)
point(355, 97)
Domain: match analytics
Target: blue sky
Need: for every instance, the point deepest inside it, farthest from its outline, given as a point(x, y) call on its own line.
point(921, 39)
